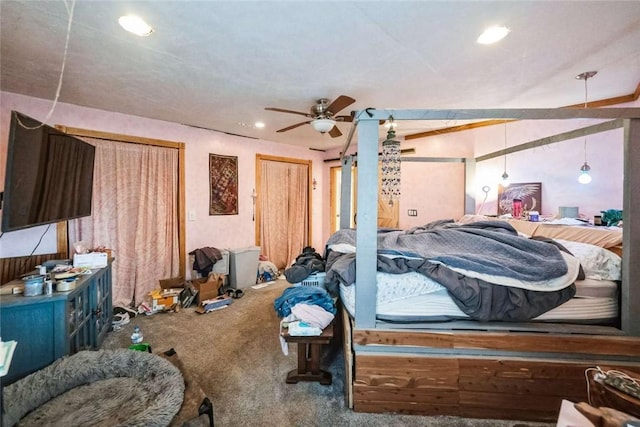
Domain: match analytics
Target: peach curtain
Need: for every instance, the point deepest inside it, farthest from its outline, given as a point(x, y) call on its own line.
point(284, 211)
point(135, 213)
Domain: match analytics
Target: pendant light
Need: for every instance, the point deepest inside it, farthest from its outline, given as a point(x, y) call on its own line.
point(585, 177)
point(505, 176)
point(391, 165)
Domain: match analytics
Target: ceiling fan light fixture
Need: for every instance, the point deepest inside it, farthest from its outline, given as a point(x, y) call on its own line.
point(323, 125)
point(493, 34)
point(135, 25)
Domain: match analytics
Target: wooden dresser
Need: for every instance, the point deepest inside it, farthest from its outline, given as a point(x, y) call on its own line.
point(48, 327)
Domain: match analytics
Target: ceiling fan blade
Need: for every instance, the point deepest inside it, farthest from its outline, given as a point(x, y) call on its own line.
point(335, 132)
point(293, 126)
point(282, 110)
point(339, 103)
point(350, 119)
point(343, 118)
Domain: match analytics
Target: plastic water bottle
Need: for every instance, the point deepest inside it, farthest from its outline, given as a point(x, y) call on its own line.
point(136, 336)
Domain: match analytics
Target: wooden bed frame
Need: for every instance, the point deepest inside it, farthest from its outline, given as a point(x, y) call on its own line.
point(482, 370)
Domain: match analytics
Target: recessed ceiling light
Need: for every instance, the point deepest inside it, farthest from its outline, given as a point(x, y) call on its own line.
point(135, 25)
point(259, 125)
point(493, 34)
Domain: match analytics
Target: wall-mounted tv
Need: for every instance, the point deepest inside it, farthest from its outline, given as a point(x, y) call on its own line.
point(49, 175)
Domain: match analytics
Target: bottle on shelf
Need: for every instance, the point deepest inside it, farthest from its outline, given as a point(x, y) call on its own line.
point(136, 337)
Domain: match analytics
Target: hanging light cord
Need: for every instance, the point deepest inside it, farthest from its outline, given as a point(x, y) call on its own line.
point(585, 150)
point(64, 62)
point(585, 106)
point(505, 147)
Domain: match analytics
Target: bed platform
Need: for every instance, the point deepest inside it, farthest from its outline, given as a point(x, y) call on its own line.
point(499, 370)
point(493, 373)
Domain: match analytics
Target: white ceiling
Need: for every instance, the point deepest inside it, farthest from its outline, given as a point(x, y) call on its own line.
point(217, 64)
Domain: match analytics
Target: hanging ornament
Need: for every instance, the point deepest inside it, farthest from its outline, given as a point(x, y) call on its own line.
point(391, 167)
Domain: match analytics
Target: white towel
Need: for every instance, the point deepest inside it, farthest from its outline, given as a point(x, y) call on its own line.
point(312, 314)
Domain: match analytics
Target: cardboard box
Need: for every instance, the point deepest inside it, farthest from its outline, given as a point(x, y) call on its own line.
point(174, 282)
point(163, 299)
point(208, 286)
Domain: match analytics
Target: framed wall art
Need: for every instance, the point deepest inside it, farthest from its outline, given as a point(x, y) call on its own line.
point(530, 193)
point(223, 185)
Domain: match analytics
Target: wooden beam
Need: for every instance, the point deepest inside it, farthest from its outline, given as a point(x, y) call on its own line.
point(502, 341)
point(366, 242)
point(62, 237)
point(572, 134)
point(118, 137)
point(459, 128)
point(501, 113)
point(433, 159)
point(630, 298)
point(593, 104)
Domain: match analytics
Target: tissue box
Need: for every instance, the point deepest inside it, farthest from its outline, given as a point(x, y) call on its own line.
point(91, 260)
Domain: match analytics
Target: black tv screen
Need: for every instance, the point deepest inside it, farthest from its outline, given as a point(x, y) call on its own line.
point(49, 175)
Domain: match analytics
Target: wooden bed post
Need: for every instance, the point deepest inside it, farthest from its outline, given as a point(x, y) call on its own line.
point(631, 226)
point(345, 193)
point(469, 185)
point(367, 226)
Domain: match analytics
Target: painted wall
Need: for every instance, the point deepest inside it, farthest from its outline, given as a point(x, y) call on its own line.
point(227, 231)
point(434, 190)
point(556, 166)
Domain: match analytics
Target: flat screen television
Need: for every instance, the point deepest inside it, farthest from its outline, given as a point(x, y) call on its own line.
point(49, 175)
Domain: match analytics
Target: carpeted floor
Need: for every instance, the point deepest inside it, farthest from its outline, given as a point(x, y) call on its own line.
point(236, 355)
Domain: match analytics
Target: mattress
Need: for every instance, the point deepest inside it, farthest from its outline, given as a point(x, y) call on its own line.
point(412, 297)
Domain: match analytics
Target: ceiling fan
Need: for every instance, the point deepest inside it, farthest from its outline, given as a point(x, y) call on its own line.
point(323, 115)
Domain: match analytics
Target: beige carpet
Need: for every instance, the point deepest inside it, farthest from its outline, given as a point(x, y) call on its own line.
point(237, 357)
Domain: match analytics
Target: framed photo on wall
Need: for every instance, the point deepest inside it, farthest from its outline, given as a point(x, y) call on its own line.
point(530, 193)
point(223, 185)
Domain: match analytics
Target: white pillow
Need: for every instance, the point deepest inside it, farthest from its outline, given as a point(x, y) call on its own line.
point(598, 263)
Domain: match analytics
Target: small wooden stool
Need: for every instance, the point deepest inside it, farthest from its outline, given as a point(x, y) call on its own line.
point(309, 352)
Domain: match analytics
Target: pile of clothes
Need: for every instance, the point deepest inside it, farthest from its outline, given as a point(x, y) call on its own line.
point(204, 259)
point(305, 311)
point(307, 263)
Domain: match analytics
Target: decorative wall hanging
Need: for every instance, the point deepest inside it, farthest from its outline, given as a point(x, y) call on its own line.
point(223, 185)
point(529, 194)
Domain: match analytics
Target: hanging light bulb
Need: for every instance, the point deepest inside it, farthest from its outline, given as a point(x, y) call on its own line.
point(585, 177)
point(505, 181)
point(391, 166)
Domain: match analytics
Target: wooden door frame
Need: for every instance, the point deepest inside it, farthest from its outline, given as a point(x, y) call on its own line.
point(334, 195)
point(63, 240)
point(266, 157)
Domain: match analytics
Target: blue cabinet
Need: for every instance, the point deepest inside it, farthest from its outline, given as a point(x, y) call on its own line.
point(48, 327)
